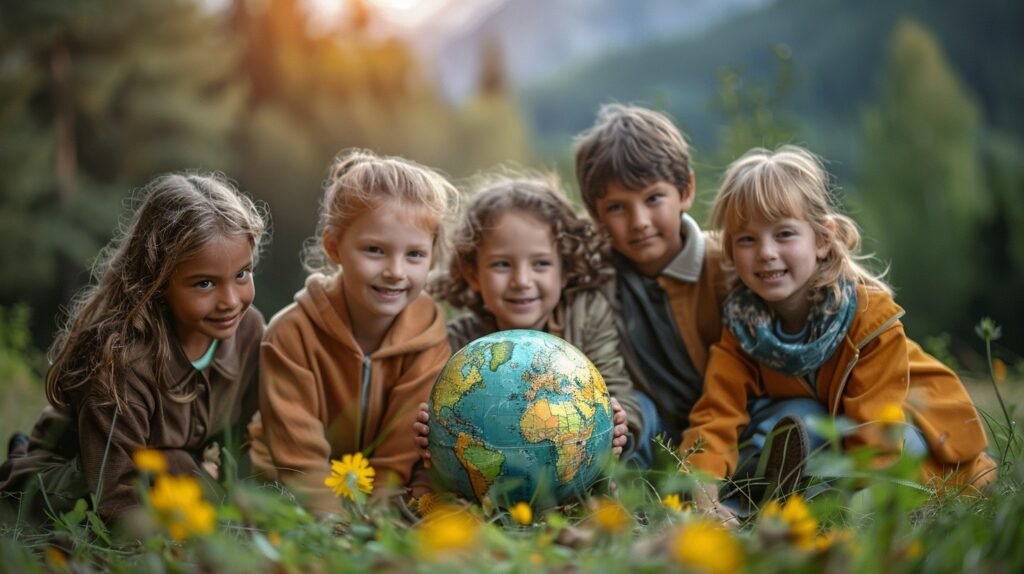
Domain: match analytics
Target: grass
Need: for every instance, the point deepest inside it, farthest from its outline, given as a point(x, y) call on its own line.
point(874, 521)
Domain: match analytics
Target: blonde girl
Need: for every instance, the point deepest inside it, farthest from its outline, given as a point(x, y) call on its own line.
point(806, 323)
point(159, 352)
point(524, 259)
point(343, 368)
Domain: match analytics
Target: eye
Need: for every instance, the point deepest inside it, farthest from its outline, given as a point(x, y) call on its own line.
point(744, 240)
point(418, 254)
point(543, 263)
point(204, 284)
point(787, 233)
point(500, 264)
point(655, 198)
point(373, 250)
point(613, 208)
point(243, 274)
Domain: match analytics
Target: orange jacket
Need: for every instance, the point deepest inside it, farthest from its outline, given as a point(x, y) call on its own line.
point(875, 365)
point(321, 397)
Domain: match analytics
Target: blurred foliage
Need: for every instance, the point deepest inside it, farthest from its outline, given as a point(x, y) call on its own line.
point(21, 366)
point(922, 195)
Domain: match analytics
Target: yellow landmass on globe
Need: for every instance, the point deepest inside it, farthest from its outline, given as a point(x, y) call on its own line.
point(482, 464)
point(501, 352)
point(562, 424)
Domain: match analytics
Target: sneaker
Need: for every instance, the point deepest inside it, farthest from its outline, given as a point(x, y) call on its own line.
point(787, 455)
point(17, 445)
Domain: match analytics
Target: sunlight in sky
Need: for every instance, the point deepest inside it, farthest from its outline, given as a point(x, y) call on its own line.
point(400, 12)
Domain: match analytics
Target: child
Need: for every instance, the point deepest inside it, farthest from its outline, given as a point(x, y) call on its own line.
point(344, 367)
point(161, 352)
point(633, 168)
point(805, 320)
point(523, 259)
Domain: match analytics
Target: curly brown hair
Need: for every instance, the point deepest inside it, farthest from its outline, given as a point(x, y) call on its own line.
point(123, 315)
point(583, 251)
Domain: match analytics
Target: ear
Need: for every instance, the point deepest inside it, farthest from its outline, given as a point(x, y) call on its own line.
point(687, 195)
point(824, 242)
point(329, 241)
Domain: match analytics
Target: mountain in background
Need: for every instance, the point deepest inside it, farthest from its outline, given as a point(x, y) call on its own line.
point(537, 38)
point(838, 50)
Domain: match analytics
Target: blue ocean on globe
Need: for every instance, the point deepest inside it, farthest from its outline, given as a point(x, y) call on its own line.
point(519, 416)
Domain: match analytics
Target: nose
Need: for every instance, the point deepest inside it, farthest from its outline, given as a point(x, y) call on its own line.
point(521, 277)
point(767, 250)
point(639, 219)
point(230, 297)
point(394, 270)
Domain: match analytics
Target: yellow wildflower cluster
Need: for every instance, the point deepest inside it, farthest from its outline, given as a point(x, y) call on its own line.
point(446, 530)
point(674, 503)
point(177, 501)
point(801, 528)
point(351, 474)
point(706, 546)
point(180, 508)
point(610, 516)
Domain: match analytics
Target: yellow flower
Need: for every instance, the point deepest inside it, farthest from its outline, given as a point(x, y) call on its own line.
point(447, 530)
point(799, 527)
point(521, 513)
point(180, 508)
point(150, 460)
point(827, 540)
point(891, 414)
point(427, 503)
point(708, 547)
point(999, 370)
point(803, 527)
point(915, 549)
point(56, 557)
point(610, 516)
point(351, 473)
point(672, 502)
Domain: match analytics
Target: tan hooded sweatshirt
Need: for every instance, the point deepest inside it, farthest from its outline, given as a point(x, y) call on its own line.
point(322, 398)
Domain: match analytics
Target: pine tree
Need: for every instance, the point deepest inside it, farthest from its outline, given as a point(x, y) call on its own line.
point(922, 192)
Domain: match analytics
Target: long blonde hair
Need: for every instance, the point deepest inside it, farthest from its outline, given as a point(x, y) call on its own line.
point(122, 316)
point(583, 251)
point(791, 182)
point(360, 180)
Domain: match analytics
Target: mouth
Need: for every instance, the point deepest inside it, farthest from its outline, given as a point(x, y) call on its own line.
point(643, 240)
point(388, 293)
point(521, 302)
point(771, 275)
point(224, 322)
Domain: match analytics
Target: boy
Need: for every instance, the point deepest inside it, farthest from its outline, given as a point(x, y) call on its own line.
point(633, 169)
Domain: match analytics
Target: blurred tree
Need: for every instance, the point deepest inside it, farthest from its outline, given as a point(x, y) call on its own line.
point(922, 192)
point(98, 96)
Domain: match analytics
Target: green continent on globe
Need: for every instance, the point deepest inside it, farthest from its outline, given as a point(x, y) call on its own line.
point(465, 373)
point(562, 424)
point(482, 464)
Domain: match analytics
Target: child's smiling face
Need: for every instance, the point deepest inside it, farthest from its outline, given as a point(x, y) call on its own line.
point(776, 260)
point(518, 272)
point(385, 256)
point(209, 292)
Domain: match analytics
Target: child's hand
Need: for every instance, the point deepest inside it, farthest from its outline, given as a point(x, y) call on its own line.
point(422, 433)
point(706, 500)
point(620, 432)
point(211, 460)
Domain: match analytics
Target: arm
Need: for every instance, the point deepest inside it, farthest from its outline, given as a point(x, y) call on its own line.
point(396, 449)
point(290, 401)
point(601, 344)
point(721, 412)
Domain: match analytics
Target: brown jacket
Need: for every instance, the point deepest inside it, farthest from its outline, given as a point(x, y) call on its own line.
point(322, 398)
point(875, 365)
point(66, 447)
point(585, 319)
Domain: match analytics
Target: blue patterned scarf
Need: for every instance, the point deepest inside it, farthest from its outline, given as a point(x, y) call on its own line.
point(751, 321)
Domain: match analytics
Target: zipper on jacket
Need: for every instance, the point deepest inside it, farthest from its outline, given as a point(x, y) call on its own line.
point(364, 402)
point(856, 357)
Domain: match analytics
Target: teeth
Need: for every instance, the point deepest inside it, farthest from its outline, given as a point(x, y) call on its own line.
point(772, 274)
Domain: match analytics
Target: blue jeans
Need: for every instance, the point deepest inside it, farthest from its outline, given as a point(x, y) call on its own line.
point(642, 454)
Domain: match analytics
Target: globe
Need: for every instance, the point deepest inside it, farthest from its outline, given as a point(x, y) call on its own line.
point(519, 416)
